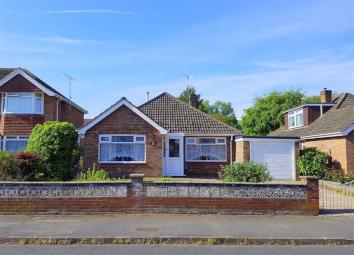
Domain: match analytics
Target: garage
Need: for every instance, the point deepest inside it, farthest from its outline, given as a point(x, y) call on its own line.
point(277, 153)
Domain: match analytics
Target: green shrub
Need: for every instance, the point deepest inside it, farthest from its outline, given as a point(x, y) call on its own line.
point(313, 162)
point(92, 175)
point(56, 144)
point(29, 164)
point(9, 171)
point(245, 172)
point(338, 176)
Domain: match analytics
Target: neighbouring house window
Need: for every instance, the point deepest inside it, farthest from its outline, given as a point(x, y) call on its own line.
point(122, 148)
point(296, 118)
point(23, 103)
point(14, 143)
point(206, 149)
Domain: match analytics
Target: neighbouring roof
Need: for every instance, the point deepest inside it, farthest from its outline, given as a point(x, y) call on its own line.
point(338, 119)
point(179, 117)
point(4, 72)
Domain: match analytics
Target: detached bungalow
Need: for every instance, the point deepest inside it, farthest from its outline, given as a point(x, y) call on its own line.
point(164, 136)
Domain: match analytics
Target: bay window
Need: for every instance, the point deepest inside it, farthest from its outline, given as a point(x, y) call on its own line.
point(23, 103)
point(206, 149)
point(122, 148)
point(14, 143)
point(296, 118)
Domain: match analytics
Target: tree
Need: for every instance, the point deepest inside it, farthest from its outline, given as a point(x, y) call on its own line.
point(56, 144)
point(186, 94)
point(266, 114)
point(220, 110)
point(311, 99)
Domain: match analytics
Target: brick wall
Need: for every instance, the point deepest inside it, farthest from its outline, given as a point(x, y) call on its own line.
point(124, 121)
point(350, 153)
point(336, 147)
point(140, 197)
point(70, 114)
point(19, 124)
point(242, 151)
point(206, 168)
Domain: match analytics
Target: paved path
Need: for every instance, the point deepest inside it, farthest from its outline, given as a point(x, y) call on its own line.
point(174, 250)
point(178, 226)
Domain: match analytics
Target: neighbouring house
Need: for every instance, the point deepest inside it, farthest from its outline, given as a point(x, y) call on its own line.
point(167, 137)
point(328, 126)
point(26, 101)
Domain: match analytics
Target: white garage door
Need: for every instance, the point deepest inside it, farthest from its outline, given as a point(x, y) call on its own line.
point(277, 155)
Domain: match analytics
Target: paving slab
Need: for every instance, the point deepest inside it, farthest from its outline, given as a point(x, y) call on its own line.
point(167, 225)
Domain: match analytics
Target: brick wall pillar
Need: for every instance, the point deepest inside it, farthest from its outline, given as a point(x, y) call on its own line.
point(242, 151)
point(313, 201)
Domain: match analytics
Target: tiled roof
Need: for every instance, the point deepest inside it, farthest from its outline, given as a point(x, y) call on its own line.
point(177, 116)
point(339, 118)
point(6, 71)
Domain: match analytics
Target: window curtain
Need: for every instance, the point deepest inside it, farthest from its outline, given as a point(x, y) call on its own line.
point(15, 145)
point(122, 152)
point(18, 104)
point(206, 152)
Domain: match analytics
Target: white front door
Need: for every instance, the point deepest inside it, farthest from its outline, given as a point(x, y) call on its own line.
point(174, 165)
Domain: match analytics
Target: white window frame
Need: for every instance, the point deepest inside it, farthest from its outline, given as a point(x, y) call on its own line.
point(195, 141)
point(110, 141)
point(294, 114)
point(6, 95)
point(12, 138)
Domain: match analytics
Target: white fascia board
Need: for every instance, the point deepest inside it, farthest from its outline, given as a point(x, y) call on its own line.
point(304, 105)
point(29, 78)
point(71, 103)
point(207, 135)
point(113, 108)
point(254, 139)
point(334, 134)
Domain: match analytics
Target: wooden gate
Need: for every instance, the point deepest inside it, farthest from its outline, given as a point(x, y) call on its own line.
point(336, 197)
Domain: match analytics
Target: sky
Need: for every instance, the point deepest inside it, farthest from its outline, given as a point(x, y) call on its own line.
point(235, 50)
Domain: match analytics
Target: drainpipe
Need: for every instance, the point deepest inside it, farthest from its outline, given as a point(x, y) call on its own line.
point(58, 109)
point(231, 141)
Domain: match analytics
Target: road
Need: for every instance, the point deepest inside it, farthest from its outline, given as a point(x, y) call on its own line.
point(174, 250)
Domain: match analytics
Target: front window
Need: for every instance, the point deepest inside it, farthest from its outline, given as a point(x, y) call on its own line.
point(14, 143)
point(23, 103)
point(296, 118)
point(122, 148)
point(206, 149)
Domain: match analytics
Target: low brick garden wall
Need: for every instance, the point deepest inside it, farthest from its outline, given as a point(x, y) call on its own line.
point(147, 197)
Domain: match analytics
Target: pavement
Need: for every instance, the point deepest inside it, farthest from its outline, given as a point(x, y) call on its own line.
point(174, 250)
point(177, 226)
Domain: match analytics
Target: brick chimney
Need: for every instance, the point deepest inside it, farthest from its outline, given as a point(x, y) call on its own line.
point(326, 96)
point(193, 100)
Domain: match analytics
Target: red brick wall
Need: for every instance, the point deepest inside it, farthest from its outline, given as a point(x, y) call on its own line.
point(311, 114)
point(19, 84)
point(19, 124)
point(70, 114)
point(205, 168)
point(350, 153)
point(125, 121)
point(137, 202)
